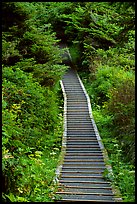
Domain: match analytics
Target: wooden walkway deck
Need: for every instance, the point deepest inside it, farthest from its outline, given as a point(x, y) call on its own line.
point(80, 176)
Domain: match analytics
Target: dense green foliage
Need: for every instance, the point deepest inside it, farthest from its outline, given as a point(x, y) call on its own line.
point(32, 119)
point(100, 37)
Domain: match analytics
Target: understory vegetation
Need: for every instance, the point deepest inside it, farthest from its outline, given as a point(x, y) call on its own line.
point(32, 105)
point(101, 38)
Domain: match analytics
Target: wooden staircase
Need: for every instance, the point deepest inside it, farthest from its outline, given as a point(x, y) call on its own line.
point(80, 177)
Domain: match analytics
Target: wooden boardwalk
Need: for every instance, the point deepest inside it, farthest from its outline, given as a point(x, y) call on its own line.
point(80, 176)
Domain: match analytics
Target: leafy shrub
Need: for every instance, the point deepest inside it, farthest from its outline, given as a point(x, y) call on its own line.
point(47, 74)
point(31, 124)
point(124, 173)
point(40, 46)
point(122, 106)
point(10, 53)
point(113, 90)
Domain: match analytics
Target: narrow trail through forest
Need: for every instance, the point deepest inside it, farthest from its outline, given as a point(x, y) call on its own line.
point(51, 157)
point(81, 175)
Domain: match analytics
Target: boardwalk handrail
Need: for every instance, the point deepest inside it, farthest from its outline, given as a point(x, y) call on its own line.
point(63, 148)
